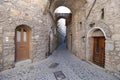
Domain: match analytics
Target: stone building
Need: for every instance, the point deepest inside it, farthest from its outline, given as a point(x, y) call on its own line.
point(29, 32)
point(24, 26)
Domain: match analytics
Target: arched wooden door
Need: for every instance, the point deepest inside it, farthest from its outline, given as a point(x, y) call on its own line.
point(99, 51)
point(22, 43)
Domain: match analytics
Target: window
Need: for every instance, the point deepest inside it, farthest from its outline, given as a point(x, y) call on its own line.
point(18, 35)
point(80, 24)
point(24, 35)
point(102, 15)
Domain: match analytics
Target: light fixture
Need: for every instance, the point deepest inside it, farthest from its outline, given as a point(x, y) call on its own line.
point(83, 38)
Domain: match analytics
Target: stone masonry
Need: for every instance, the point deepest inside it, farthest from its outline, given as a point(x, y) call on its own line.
point(103, 15)
point(14, 13)
point(61, 61)
point(90, 18)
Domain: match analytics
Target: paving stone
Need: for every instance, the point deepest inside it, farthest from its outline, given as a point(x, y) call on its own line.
point(72, 67)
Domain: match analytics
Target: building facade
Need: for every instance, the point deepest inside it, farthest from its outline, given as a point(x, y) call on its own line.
point(25, 29)
point(28, 31)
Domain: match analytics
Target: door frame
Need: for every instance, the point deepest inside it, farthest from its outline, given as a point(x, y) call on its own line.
point(89, 43)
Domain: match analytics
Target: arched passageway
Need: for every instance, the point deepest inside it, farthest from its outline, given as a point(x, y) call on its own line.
point(61, 15)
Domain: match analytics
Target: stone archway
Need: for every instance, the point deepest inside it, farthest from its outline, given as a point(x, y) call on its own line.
point(96, 46)
point(63, 16)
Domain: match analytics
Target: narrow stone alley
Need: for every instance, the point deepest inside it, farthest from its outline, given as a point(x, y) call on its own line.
point(62, 65)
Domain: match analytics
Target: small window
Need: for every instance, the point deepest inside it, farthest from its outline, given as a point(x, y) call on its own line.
point(18, 35)
point(80, 25)
point(102, 15)
point(24, 35)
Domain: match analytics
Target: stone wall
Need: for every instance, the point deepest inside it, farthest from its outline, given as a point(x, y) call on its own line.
point(0, 48)
point(28, 12)
point(103, 15)
point(78, 32)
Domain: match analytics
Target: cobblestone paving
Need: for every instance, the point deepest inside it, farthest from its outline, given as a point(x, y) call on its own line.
point(72, 67)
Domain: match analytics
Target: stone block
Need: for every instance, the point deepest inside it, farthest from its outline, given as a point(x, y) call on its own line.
point(14, 12)
point(109, 46)
point(23, 63)
point(118, 67)
point(116, 37)
point(28, 1)
point(117, 49)
point(119, 54)
point(116, 57)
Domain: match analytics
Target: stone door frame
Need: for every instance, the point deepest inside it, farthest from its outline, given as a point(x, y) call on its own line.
point(89, 50)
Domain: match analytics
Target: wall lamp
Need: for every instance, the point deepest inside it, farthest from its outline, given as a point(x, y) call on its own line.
point(83, 38)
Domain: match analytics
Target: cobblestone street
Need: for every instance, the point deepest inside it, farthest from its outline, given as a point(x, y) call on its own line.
point(62, 65)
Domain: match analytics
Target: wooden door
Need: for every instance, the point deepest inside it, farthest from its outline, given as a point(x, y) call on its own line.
point(22, 43)
point(99, 51)
point(69, 19)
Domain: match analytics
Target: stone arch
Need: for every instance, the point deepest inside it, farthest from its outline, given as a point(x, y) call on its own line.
point(57, 4)
point(22, 43)
point(60, 18)
point(68, 3)
point(91, 31)
point(24, 25)
point(60, 9)
point(62, 12)
point(104, 28)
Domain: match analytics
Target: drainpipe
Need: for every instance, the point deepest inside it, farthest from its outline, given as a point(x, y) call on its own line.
point(2, 50)
point(49, 44)
point(52, 17)
point(49, 47)
point(50, 3)
point(91, 9)
point(71, 41)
